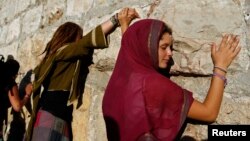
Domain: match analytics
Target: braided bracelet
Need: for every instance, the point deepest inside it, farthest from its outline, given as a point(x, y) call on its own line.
point(221, 69)
point(117, 20)
point(114, 20)
point(221, 77)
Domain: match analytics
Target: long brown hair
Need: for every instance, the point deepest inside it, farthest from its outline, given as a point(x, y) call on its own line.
point(66, 33)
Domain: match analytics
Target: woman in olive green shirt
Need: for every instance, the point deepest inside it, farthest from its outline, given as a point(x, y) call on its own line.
point(62, 73)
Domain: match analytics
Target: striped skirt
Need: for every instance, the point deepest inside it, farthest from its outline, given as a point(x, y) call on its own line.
point(50, 128)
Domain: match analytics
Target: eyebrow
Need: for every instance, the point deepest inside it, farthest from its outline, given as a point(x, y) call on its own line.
point(165, 44)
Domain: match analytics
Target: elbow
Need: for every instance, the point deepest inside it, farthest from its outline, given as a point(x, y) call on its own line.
point(211, 120)
point(211, 117)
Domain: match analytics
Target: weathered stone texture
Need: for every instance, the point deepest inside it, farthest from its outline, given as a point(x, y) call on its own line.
point(31, 20)
point(13, 30)
point(27, 25)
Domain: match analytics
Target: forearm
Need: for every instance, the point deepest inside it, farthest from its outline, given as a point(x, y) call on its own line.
point(18, 104)
point(111, 24)
point(15, 102)
point(215, 94)
point(107, 27)
point(208, 109)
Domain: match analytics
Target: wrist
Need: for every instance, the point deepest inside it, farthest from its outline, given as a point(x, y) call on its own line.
point(220, 76)
point(115, 21)
point(222, 69)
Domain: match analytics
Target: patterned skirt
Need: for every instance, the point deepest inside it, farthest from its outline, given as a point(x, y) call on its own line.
point(50, 128)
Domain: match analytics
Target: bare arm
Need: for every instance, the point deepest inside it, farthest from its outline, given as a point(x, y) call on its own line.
point(222, 57)
point(107, 26)
point(15, 100)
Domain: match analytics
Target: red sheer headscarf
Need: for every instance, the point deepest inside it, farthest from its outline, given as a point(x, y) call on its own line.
point(139, 99)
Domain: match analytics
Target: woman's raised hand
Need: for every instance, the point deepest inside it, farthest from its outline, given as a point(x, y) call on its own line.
point(228, 49)
point(126, 16)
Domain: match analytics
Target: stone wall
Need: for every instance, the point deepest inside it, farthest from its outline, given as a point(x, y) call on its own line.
point(27, 25)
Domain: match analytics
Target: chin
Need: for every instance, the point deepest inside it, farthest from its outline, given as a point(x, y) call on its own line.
point(162, 66)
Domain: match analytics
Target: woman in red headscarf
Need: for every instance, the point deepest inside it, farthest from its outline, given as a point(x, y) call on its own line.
point(140, 102)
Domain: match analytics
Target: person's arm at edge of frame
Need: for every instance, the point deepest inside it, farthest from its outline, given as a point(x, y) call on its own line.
point(222, 57)
point(15, 100)
point(125, 16)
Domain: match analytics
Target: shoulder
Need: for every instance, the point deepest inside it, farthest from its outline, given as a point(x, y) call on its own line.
point(159, 81)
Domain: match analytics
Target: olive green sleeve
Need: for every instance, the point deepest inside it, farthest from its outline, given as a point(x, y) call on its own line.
point(95, 39)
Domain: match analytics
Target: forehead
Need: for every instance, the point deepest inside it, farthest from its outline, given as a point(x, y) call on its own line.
point(166, 38)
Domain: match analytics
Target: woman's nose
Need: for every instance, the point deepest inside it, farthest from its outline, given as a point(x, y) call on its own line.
point(169, 52)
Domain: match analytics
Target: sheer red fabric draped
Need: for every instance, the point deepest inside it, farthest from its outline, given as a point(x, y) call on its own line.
point(138, 99)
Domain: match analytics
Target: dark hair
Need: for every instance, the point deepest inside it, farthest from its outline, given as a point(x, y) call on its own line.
point(167, 29)
point(11, 67)
point(66, 33)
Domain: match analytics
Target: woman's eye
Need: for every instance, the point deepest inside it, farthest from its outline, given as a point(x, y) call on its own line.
point(163, 47)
